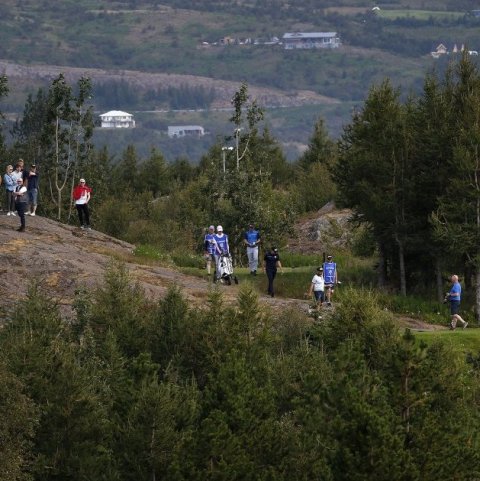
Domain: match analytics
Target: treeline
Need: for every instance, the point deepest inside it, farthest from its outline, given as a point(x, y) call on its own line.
point(138, 390)
point(410, 170)
point(110, 95)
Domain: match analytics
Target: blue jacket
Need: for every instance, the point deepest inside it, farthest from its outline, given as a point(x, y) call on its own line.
point(10, 184)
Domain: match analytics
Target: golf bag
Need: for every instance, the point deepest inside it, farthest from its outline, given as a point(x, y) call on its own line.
point(226, 269)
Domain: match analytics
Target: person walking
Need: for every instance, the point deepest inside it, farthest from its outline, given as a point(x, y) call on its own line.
point(221, 248)
point(81, 195)
point(454, 296)
point(209, 247)
point(251, 239)
point(331, 279)
point(317, 287)
point(272, 262)
point(32, 190)
point(21, 200)
point(10, 186)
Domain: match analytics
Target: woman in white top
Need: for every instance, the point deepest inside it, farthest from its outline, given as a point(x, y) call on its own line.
point(317, 287)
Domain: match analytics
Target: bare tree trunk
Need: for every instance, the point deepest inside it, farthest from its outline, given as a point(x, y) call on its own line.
point(401, 260)
point(59, 204)
point(477, 294)
point(438, 279)
point(382, 271)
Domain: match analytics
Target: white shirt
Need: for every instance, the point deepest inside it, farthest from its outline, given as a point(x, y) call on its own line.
point(83, 199)
point(318, 283)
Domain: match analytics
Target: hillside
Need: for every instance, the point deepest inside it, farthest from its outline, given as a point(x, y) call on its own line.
point(178, 61)
point(138, 80)
point(64, 258)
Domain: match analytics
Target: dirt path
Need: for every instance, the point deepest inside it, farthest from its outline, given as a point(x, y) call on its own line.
point(65, 257)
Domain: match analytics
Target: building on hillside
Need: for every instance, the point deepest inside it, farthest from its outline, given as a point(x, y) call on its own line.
point(440, 50)
point(475, 13)
point(176, 131)
point(116, 119)
point(311, 40)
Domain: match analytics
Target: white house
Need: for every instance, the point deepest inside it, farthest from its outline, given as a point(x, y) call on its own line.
point(175, 131)
point(311, 40)
point(117, 119)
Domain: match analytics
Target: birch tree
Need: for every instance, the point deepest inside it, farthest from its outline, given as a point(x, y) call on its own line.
point(67, 133)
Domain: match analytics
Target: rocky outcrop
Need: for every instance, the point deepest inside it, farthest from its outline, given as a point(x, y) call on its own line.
point(327, 229)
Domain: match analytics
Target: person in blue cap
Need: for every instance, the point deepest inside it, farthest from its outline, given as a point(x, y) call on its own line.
point(209, 247)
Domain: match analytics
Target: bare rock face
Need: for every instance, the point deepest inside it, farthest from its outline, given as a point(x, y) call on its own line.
point(63, 258)
point(327, 229)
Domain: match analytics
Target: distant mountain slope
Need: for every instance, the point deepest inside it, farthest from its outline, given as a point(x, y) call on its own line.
point(224, 90)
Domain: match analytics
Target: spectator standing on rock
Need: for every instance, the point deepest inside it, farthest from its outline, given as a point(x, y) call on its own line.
point(32, 190)
point(272, 261)
point(81, 195)
point(10, 186)
point(21, 200)
point(251, 239)
point(18, 173)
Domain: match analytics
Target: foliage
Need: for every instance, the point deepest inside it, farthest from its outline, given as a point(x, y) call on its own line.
point(3, 92)
point(129, 389)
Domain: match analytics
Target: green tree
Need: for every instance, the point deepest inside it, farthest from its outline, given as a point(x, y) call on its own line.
point(67, 134)
point(72, 439)
point(372, 174)
point(28, 132)
point(314, 186)
point(434, 130)
point(3, 93)
point(17, 428)
point(126, 172)
point(155, 174)
point(457, 220)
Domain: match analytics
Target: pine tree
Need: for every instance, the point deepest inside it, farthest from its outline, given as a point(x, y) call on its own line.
point(457, 220)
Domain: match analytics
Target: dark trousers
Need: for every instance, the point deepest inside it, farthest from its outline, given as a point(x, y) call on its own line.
point(83, 214)
point(271, 276)
point(10, 201)
point(21, 206)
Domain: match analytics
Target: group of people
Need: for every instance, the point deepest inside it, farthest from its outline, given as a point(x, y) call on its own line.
point(216, 246)
point(323, 282)
point(21, 188)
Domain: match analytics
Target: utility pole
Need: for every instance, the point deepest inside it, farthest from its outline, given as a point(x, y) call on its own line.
point(237, 135)
point(224, 153)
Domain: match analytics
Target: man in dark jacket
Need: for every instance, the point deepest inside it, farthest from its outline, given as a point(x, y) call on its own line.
point(272, 261)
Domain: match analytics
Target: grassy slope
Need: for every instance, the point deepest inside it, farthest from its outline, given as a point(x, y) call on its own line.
point(463, 341)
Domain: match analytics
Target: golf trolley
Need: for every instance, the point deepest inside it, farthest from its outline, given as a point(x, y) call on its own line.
point(226, 270)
